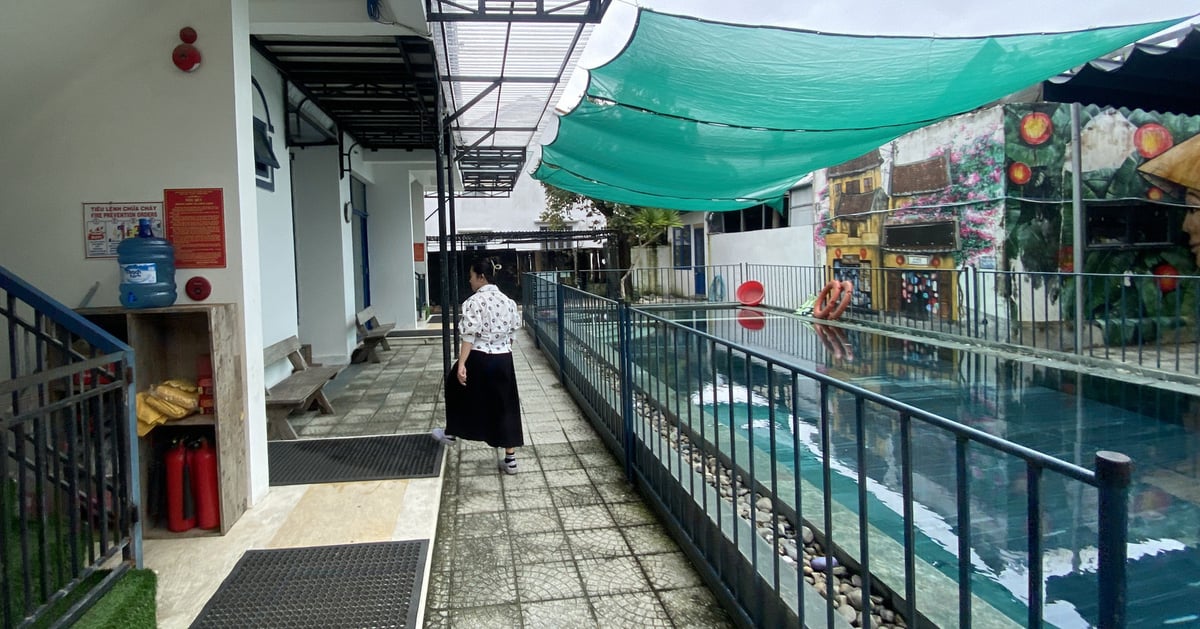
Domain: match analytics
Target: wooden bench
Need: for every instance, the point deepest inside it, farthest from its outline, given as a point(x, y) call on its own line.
point(372, 334)
point(297, 392)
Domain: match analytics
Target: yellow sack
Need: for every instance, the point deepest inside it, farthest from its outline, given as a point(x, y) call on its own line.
point(172, 411)
point(182, 385)
point(148, 416)
point(185, 399)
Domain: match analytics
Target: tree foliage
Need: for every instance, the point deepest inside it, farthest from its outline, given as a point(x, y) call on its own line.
point(633, 223)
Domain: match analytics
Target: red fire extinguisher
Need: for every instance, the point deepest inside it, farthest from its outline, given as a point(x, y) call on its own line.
point(181, 512)
point(204, 484)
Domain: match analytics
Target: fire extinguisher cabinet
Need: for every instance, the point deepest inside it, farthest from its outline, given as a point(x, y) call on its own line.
point(169, 343)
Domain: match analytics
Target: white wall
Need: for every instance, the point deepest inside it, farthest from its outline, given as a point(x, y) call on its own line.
point(120, 128)
point(785, 245)
point(120, 122)
point(277, 251)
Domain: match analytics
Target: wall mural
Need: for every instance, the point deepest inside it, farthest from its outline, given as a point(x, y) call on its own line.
point(1003, 175)
point(1136, 192)
point(974, 196)
point(1116, 147)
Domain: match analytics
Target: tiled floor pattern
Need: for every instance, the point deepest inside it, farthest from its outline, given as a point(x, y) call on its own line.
point(566, 542)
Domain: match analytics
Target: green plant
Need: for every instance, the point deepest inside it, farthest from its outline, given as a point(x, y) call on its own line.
point(648, 225)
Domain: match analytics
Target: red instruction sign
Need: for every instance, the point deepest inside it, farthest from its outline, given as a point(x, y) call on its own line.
point(196, 226)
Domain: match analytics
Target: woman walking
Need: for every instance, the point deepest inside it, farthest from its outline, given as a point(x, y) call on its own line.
point(481, 390)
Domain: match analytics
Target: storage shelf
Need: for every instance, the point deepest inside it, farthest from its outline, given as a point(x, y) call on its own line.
point(193, 420)
point(166, 343)
point(159, 532)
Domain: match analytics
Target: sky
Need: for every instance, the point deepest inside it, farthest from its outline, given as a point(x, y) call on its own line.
point(880, 17)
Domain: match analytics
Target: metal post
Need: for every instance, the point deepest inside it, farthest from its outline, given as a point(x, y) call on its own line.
point(1113, 473)
point(455, 260)
point(1080, 224)
point(562, 319)
point(624, 336)
point(443, 251)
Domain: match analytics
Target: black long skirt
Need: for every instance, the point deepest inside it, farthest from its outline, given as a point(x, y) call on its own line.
point(488, 408)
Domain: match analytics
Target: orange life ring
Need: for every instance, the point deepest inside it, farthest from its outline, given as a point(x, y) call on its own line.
point(826, 299)
point(846, 295)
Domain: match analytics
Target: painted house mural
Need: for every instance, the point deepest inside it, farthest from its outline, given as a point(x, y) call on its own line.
point(992, 189)
point(895, 221)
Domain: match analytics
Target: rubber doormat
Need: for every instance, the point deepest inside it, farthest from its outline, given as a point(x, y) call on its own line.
point(304, 461)
point(350, 585)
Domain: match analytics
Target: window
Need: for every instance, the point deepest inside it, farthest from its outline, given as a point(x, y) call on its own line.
point(853, 187)
point(1132, 225)
point(265, 161)
point(748, 219)
point(935, 237)
point(681, 247)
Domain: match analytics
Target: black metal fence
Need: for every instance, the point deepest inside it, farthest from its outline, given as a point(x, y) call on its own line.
point(779, 481)
point(69, 477)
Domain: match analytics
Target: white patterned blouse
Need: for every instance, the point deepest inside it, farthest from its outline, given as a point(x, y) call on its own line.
point(489, 319)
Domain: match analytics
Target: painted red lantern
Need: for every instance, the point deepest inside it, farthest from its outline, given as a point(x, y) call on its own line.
point(899, 260)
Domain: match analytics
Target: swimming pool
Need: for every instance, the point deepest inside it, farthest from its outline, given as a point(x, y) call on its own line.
point(1059, 412)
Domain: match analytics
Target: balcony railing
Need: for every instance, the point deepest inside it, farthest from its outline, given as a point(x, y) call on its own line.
point(69, 479)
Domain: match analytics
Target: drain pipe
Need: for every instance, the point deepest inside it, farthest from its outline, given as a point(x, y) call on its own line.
point(1080, 224)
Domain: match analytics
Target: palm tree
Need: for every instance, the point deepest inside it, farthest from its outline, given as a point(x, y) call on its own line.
point(647, 225)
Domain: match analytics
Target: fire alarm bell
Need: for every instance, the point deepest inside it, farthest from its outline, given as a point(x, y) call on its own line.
point(186, 57)
point(198, 288)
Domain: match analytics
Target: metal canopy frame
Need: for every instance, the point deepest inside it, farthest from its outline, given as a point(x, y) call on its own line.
point(476, 92)
point(381, 90)
point(546, 236)
point(546, 11)
point(502, 67)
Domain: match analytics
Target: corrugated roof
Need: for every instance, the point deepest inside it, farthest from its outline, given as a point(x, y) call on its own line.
point(1160, 75)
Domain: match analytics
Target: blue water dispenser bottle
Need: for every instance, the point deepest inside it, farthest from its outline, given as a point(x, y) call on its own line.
point(147, 269)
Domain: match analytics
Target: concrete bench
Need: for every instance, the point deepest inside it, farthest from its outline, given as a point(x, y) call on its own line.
point(371, 334)
point(297, 392)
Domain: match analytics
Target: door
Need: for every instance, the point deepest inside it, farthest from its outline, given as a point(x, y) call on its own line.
point(362, 259)
point(698, 260)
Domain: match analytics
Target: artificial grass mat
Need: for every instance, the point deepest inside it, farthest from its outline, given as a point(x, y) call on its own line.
point(130, 604)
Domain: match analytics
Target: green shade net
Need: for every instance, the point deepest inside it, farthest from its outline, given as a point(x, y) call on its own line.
point(697, 115)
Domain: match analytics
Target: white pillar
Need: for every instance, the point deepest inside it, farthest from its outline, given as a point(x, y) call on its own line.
point(324, 261)
point(393, 288)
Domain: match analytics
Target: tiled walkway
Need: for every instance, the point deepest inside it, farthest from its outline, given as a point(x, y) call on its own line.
point(564, 543)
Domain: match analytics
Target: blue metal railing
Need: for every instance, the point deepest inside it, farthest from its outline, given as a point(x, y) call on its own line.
point(69, 483)
point(736, 449)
